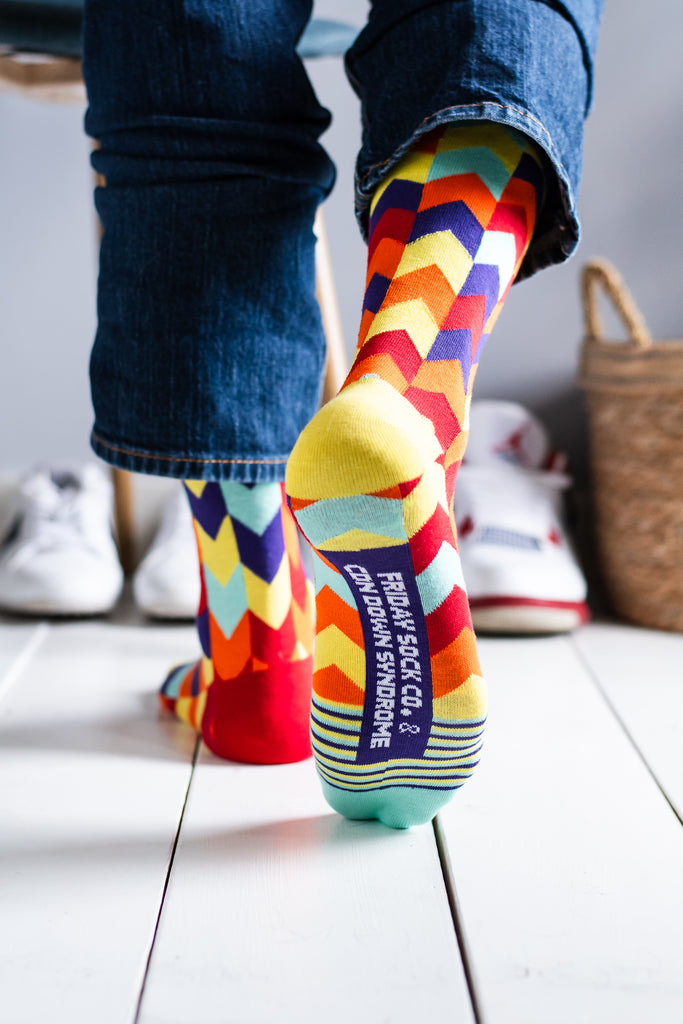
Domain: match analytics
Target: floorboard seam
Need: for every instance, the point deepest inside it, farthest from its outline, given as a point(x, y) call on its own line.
point(22, 659)
point(585, 661)
point(458, 924)
point(167, 880)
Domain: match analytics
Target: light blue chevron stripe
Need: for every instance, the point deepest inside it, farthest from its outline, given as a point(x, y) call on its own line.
point(256, 507)
point(326, 577)
point(438, 579)
point(229, 603)
point(333, 516)
point(171, 687)
point(479, 160)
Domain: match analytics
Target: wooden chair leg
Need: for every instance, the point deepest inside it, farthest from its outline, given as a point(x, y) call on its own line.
point(337, 364)
point(124, 519)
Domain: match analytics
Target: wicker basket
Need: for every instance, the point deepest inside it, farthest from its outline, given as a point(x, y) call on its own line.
point(635, 410)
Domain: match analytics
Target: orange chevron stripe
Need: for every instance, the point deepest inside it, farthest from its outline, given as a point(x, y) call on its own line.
point(332, 611)
point(291, 538)
point(365, 325)
point(443, 376)
point(468, 187)
point(184, 690)
point(299, 503)
point(390, 492)
point(230, 654)
point(454, 664)
point(385, 259)
point(331, 684)
point(429, 284)
point(384, 366)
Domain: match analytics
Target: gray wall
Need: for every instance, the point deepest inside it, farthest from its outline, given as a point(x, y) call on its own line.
point(630, 209)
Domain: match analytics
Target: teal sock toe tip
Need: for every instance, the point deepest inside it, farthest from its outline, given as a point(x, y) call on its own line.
point(396, 807)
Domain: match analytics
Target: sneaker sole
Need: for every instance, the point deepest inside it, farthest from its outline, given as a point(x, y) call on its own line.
point(526, 615)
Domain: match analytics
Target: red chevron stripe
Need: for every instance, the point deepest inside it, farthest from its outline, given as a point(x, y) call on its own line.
point(448, 620)
point(467, 311)
point(394, 223)
point(399, 345)
point(511, 219)
point(272, 645)
point(426, 543)
point(437, 408)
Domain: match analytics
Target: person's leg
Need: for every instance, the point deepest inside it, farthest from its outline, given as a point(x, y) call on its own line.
point(209, 349)
point(399, 702)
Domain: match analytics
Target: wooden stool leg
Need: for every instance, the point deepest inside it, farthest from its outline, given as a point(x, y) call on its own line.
point(123, 518)
point(336, 367)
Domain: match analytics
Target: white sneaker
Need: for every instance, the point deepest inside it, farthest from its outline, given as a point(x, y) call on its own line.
point(59, 556)
point(166, 583)
point(520, 570)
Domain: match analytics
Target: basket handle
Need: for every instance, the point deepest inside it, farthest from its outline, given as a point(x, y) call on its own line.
point(602, 273)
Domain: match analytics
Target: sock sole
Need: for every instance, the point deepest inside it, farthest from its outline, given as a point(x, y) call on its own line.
point(398, 704)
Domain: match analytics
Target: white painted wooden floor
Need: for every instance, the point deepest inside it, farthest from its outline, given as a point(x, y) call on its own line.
point(142, 880)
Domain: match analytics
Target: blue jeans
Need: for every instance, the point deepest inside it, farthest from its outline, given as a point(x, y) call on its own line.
point(209, 350)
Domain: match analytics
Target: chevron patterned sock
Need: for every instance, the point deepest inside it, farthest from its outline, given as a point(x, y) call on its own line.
point(398, 699)
point(250, 693)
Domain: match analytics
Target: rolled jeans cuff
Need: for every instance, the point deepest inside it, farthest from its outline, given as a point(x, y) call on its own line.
point(525, 64)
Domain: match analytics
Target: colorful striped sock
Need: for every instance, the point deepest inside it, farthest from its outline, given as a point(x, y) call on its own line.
point(398, 699)
point(249, 695)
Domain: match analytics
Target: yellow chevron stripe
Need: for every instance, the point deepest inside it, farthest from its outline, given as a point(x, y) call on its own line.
point(303, 625)
point(191, 709)
point(196, 486)
point(357, 540)
point(419, 505)
point(332, 647)
point(220, 555)
point(466, 701)
point(332, 458)
point(473, 136)
point(269, 601)
point(441, 249)
point(413, 316)
point(300, 652)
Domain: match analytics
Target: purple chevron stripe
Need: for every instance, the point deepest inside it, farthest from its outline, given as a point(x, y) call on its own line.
point(451, 345)
point(483, 280)
point(375, 292)
point(401, 194)
point(195, 687)
point(455, 217)
point(204, 633)
point(209, 509)
point(528, 170)
point(483, 338)
point(261, 553)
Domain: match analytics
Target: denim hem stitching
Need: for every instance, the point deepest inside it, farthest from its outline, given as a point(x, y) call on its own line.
point(186, 458)
point(401, 150)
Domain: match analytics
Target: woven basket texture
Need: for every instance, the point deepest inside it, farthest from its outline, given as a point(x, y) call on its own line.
point(635, 413)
